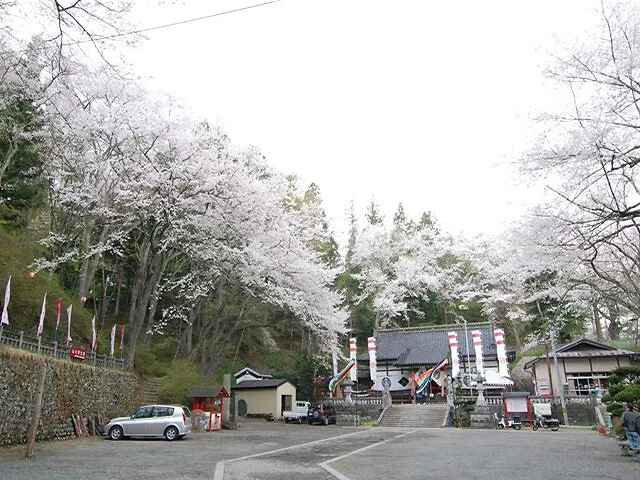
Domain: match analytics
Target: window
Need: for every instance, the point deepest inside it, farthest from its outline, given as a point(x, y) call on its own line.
point(144, 412)
point(586, 383)
point(162, 412)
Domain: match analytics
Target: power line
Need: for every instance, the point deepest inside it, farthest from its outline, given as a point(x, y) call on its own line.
point(182, 22)
point(166, 25)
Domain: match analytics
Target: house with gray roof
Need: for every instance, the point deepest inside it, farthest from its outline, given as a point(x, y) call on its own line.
point(584, 366)
point(403, 353)
point(265, 397)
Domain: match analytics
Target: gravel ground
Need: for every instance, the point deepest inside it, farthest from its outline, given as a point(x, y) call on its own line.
point(265, 451)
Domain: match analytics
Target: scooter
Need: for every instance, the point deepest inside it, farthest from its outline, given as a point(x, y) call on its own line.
point(546, 423)
point(501, 424)
point(544, 418)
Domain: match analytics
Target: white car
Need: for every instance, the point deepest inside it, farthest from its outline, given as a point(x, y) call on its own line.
point(168, 421)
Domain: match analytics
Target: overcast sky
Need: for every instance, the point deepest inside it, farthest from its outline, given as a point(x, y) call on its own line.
point(420, 102)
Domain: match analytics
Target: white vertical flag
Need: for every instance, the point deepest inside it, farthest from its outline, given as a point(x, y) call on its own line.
point(44, 306)
point(455, 361)
point(93, 334)
point(352, 356)
point(477, 345)
point(69, 323)
point(373, 368)
point(5, 306)
point(334, 356)
point(113, 339)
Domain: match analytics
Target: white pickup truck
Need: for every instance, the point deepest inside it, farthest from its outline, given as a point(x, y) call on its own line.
point(298, 414)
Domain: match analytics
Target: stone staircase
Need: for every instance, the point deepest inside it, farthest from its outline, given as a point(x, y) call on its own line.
point(603, 417)
point(421, 415)
point(150, 391)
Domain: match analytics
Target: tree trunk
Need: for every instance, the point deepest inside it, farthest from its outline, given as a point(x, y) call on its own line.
point(147, 280)
point(89, 264)
point(151, 317)
point(614, 321)
point(597, 324)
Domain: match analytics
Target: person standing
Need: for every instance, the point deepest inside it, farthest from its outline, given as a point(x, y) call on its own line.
point(628, 419)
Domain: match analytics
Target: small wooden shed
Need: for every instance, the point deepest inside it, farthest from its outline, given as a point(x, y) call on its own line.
point(211, 400)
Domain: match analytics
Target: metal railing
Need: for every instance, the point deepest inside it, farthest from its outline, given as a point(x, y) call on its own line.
point(18, 339)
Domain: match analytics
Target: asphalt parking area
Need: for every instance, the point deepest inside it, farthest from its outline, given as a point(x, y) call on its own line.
point(265, 451)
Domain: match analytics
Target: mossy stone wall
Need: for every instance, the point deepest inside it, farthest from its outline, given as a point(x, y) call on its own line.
point(70, 388)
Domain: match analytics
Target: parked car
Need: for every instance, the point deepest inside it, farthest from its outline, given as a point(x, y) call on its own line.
point(298, 413)
point(168, 421)
point(322, 414)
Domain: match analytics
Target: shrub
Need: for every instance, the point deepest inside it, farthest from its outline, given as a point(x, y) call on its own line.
point(181, 378)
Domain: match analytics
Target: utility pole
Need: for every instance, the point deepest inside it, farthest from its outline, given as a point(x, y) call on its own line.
point(559, 384)
point(565, 417)
point(546, 352)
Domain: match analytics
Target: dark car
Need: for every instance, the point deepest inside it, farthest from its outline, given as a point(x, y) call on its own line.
point(322, 414)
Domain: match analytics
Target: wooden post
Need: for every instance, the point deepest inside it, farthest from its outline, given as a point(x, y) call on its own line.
point(33, 428)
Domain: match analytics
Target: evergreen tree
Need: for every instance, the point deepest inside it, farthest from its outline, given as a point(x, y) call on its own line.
point(22, 185)
point(373, 215)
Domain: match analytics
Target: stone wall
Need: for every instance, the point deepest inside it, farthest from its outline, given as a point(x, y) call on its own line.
point(349, 414)
point(70, 388)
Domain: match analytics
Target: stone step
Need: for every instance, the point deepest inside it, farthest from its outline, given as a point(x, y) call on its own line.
point(429, 415)
point(150, 390)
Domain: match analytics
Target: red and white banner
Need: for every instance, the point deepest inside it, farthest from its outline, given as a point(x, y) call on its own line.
point(352, 356)
point(373, 368)
point(501, 351)
point(121, 338)
point(58, 309)
point(5, 306)
point(42, 311)
point(455, 361)
point(477, 345)
point(113, 339)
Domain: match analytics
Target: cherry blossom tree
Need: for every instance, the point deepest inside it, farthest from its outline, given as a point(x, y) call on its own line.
point(403, 267)
point(135, 180)
point(588, 156)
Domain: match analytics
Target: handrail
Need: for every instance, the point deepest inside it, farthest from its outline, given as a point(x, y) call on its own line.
point(17, 339)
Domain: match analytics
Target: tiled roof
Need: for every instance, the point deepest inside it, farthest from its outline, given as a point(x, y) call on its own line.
point(583, 344)
point(584, 348)
point(209, 392)
point(262, 372)
point(428, 345)
point(254, 384)
point(595, 353)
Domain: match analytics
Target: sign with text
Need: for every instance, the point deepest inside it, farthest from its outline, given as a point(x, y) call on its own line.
point(543, 387)
point(77, 352)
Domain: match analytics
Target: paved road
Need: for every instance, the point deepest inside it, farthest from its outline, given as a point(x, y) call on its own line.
point(265, 451)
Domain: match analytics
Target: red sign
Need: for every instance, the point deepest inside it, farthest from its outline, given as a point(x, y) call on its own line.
point(543, 387)
point(77, 352)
